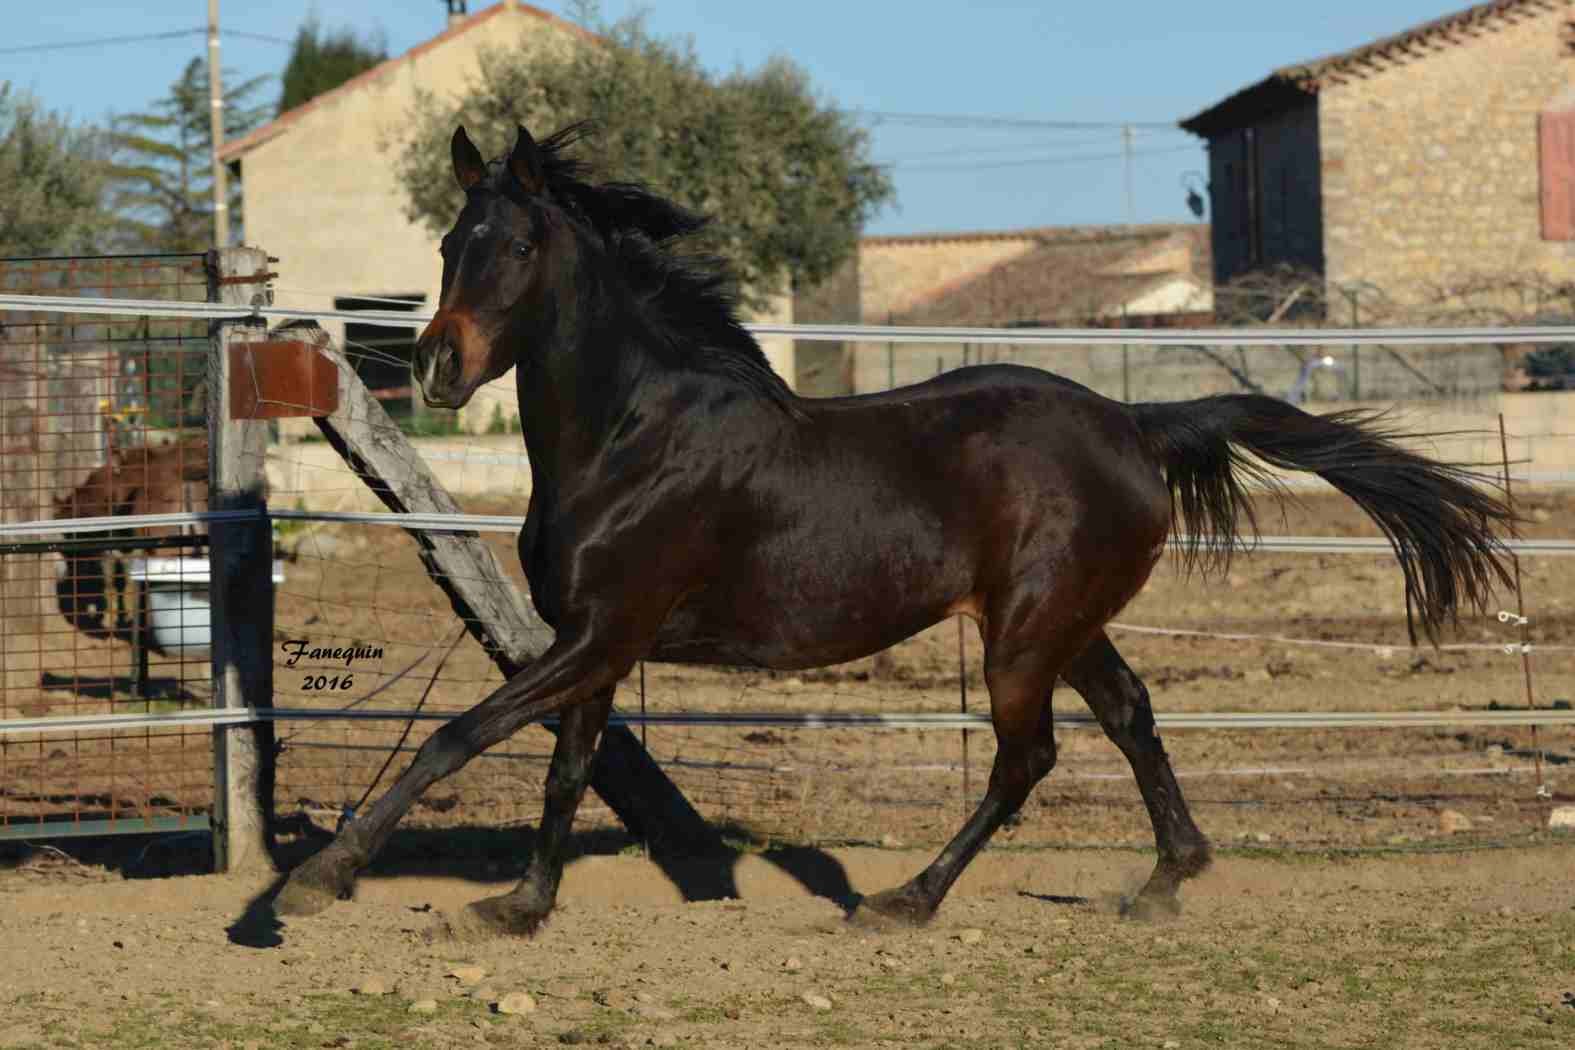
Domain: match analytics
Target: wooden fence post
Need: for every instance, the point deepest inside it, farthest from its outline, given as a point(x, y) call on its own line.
point(241, 581)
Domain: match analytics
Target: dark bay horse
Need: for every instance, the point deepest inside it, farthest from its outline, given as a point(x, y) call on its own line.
point(687, 506)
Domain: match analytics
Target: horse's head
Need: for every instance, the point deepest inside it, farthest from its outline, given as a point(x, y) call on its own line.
point(494, 272)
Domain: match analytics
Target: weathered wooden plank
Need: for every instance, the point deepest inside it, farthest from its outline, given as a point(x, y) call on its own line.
point(241, 587)
point(497, 615)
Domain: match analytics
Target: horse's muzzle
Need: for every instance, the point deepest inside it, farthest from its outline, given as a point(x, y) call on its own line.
point(439, 371)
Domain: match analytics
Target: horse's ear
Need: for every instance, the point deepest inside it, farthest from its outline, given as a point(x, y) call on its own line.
point(469, 168)
point(525, 162)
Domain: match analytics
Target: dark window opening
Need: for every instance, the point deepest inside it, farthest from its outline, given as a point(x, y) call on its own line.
point(383, 355)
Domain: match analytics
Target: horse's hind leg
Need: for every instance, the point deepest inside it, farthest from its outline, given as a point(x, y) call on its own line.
point(1120, 701)
point(1020, 681)
point(525, 908)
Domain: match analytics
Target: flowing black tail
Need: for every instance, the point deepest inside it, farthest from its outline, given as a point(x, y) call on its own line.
point(1442, 522)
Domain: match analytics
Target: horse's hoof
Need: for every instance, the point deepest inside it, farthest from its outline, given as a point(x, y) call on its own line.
point(1150, 907)
point(494, 917)
point(891, 909)
point(316, 884)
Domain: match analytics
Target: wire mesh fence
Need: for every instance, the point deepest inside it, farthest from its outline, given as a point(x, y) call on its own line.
point(100, 416)
point(361, 621)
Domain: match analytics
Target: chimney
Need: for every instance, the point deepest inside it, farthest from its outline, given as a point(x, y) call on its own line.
point(456, 12)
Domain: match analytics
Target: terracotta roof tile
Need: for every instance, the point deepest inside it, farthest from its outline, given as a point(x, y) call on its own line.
point(1298, 82)
point(1074, 275)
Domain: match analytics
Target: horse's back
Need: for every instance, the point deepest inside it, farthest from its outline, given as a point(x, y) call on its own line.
point(875, 517)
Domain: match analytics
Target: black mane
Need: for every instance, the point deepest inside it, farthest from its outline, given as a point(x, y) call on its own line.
point(690, 299)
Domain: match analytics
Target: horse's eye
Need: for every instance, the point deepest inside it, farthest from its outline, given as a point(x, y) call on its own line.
point(521, 249)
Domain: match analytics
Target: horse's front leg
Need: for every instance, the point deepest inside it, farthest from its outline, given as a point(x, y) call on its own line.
point(523, 910)
point(575, 669)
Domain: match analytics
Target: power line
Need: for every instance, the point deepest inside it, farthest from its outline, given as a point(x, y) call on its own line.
point(1103, 139)
point(140, 38)
point(953, 120)
point(242, 34)
point(1025, 162)
point(101, 41)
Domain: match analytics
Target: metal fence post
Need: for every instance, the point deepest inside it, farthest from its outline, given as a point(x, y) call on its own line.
point(241, 581)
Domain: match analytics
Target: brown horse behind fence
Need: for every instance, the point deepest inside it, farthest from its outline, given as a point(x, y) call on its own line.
point(142, 480)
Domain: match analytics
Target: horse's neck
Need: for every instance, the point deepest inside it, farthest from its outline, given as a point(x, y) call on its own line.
point(583, 382)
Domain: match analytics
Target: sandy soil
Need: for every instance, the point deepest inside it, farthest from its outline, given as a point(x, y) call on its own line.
point(1470, 948)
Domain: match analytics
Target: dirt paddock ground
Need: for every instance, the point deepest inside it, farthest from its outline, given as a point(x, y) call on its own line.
point(1460, 948)
point(1383, 888)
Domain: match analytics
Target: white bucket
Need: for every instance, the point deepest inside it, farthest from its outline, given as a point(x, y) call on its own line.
point(178, 608)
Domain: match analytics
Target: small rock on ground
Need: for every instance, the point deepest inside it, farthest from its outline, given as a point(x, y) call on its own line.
point(1452, 821)
point(972, 935)
point(816, 1001)
point(371, 986)
point(467, 974)
point(515, 1003)
point(423, 1006)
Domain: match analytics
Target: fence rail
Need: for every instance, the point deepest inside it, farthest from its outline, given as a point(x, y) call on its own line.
point(1228, 720)
point(1475, 335)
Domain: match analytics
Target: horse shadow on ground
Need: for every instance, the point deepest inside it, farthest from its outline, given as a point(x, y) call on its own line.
point(501, 856)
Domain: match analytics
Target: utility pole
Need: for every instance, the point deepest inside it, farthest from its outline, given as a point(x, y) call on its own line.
point(1126, 165)
point(221, 194)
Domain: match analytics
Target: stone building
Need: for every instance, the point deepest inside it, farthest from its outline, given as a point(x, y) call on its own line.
point(1437, 158)
point(320, 193)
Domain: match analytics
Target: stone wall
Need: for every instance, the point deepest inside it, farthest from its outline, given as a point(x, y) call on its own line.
point(824, 368)
point(1149, 373)
point(894, 272)
point(1430, 167)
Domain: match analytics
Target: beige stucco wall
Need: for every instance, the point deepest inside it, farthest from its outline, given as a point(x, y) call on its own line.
point(1430, 168)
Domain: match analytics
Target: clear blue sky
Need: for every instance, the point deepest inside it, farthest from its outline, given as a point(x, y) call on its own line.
point(1113, 62)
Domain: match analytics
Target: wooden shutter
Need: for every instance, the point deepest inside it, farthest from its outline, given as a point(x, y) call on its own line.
point(1556, 141)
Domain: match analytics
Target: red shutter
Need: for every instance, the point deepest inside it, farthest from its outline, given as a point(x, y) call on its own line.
point(1556, 135)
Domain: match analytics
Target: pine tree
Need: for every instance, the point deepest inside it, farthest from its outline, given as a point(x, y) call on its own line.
point(321, 61)
point(161, 177)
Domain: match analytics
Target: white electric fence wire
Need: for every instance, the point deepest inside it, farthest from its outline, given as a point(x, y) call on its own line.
point(817, 720)
point(1407, 336)
point(513, 523)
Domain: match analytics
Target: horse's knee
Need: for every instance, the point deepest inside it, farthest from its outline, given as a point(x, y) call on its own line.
point(445, 750)
point(1126, 714)
point(1015, 774)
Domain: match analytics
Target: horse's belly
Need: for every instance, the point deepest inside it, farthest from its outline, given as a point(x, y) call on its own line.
point(791, 623)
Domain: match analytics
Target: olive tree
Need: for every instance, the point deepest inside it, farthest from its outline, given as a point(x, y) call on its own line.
point(785, 176)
